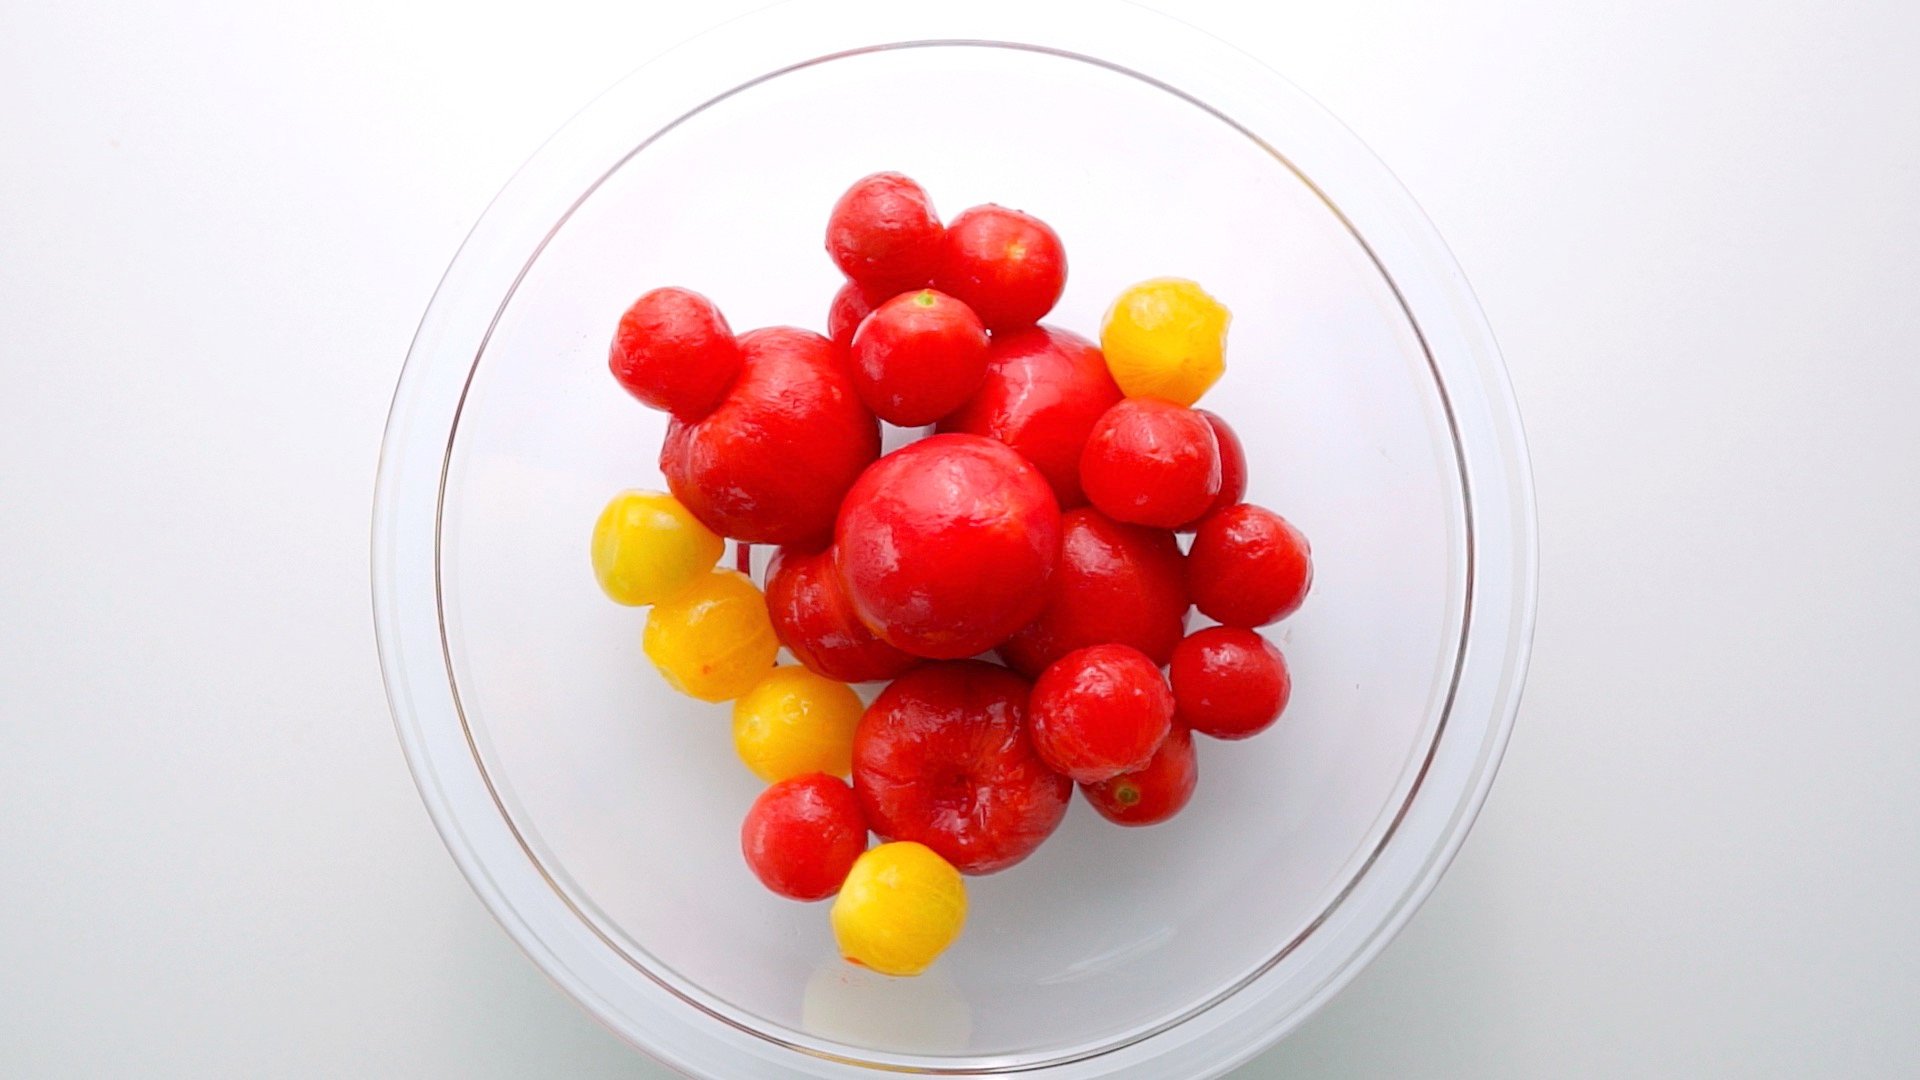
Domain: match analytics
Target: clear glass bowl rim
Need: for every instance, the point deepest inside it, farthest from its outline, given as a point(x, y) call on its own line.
point(667, 1021)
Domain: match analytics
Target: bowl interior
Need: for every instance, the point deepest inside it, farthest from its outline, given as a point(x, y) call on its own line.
point(629, 796)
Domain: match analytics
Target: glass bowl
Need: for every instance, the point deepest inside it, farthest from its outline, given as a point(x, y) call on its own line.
point(597, 813)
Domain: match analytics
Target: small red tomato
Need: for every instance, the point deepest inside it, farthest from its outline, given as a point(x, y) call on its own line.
point(851, 304)
point(1233, 468)
point(816, 622)
point(1248, 566)
point(1114, 583)
point(675, 352)
point(884, 234)
point(1229, 682)
point(946, 545)
point(1045, 389)
point(1099, 712)
point(770, 465)
point(1007, 266)
point(918, 357)
point(942, 757)
point(1151, 462)
point(1151, 795)
point(803, 834)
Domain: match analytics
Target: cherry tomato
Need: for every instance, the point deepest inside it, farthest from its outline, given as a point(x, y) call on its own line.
point(946, 545)
point(851, 304)
point(1114, 583)
point(1009, 267)
point(674, 351)
point(918, 357)
point(795, 721)
point(943, 757)
point(802, 836)
point(1151, 462)
point(769, 466)
point(899, 909)
point(1229, 682)
point(1099, 712)
point(712, 640)
point(884, 234)
point(1153, 794)
point(1166, 338)
point(647, 548)
point(1045, 389)
point(817, 623)
point(1248, 566)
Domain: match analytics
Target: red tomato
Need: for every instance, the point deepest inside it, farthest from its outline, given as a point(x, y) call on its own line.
point(803, 834)
point(1151, 462)
point(1114, 583)
point(1151, 795)
point(1099, 712)
point(851, 304)
point(1009, 267)
point(1248, 566)
point(946, 545)
point(1045, 389)
point(918, 357)
point(942, 757)
point(884, 234)
point(816, 621)
point(1229, 682)
point(770, 465)
point(674, 351)
point(1233, 468)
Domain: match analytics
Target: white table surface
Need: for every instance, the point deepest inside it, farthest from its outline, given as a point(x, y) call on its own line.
point(1695, 227)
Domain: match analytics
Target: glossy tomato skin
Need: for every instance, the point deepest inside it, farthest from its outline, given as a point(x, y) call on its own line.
point(772, 462)
point(1229, 682)
point(802, 835)
point(1099, 712)
point(850, 305)
point(1248, 566)
point(943, 757)
point(1044, 390)
point(946, 545)
point(1233, 467)
point(816, 622)
point(918, 357)
point(674, 351)
point(1114, 583)
point(1155, 793)
point(1151, 462)
point(884, 234)
point(1008, 266)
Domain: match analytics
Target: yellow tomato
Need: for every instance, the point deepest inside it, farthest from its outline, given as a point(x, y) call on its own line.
point(794, 721)
point(713, 639)
point(647, 547)
point(899, 909)
point(1166, 338)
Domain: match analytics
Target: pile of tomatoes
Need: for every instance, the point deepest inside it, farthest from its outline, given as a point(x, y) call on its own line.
point(1015, 576)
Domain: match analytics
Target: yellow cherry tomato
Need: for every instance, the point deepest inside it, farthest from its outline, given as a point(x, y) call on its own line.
point(899, 909)
point(647, 547)
point(713, 640)
point(794, 721)
point(1166, 338)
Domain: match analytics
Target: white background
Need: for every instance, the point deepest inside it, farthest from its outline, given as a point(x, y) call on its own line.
point(1695, 227)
